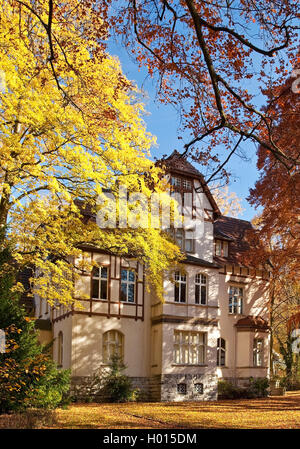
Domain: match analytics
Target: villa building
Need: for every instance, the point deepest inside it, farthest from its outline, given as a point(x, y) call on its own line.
point(212, 324)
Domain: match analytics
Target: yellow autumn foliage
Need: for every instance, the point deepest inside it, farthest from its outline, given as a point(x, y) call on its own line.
point(71, 125)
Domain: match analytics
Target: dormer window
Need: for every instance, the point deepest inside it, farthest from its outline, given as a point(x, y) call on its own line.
point(221, 248)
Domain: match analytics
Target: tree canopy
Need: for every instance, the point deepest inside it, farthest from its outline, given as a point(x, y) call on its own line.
point(68, 132)
point(212, 60)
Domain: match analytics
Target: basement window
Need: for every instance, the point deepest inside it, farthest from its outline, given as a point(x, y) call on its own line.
point(181, 388)
point(199, 388)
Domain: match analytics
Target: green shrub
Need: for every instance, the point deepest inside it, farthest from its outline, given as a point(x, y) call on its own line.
point(226, 390)
point(290, 384)
point(28, 375)
point(116, 386)
point(259, 387)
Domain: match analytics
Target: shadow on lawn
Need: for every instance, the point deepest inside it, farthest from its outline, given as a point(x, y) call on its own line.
point(276, 403)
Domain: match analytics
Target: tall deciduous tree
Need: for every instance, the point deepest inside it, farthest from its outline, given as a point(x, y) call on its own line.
point(71, 126)
point(277, 235)
point(277, 191)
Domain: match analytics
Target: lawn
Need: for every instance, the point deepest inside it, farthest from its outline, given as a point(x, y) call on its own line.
point(272, 413)
point(280, 412)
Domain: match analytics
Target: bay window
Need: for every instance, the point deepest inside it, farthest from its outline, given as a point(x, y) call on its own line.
point(189, 347)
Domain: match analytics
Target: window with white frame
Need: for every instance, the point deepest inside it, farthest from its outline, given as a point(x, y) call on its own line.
point(258, 351)
point(175, 181)
point(180, 287)
point(200, 289)
point(112, 346)
point(60, 349)
point(189, 241)
point(183, 238)
point(100, 283)
point(181, 183)
point(236, 295)
point(221, 352)
point(186, 184)
point(127, 293)
point(189, 347)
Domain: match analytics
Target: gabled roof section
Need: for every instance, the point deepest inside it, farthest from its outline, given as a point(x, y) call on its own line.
point(234, 230)
point(176, 163)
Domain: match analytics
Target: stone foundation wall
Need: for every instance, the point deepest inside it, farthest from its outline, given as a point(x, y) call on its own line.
point(196, 387)
point(157, 388)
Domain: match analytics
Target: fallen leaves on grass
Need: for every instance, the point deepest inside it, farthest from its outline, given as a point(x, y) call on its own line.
point(272, 413)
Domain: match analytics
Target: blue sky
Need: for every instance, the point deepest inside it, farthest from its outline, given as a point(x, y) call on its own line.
point(162, 121)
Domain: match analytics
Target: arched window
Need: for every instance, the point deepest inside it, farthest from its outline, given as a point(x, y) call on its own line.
point(60, 349)
point(221, 352)
point(200, 289)
point(113, 345)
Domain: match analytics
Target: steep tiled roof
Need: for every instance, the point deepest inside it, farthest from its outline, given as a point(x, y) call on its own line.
point(253, 322)
point(234, 231)
point(177, 162)
point(201, 262)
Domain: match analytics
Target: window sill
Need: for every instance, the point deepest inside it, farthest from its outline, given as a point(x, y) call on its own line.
point(187, 364)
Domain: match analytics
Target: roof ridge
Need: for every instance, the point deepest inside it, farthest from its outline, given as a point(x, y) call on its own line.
point(234, 218)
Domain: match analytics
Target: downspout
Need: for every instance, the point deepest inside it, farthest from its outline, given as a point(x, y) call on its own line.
point(235, 356)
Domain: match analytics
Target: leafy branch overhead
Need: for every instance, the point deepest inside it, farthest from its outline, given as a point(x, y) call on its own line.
point(203, 54)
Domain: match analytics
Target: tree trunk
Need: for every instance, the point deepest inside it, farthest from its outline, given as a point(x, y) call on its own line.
point(272, 300)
